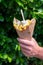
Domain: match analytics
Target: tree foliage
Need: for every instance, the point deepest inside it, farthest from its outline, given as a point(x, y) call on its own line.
point(10, 52)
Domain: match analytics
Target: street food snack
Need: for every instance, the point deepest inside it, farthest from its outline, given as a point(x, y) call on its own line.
point(24, 28)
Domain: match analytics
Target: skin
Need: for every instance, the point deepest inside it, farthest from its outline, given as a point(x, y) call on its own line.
point(31, 48)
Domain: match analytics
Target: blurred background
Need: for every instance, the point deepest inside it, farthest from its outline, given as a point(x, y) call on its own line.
point(10, 53)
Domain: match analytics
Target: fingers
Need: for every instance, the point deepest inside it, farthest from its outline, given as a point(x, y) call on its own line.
point(25, 42)
point(28, 47)
point(26, 50)
point(27, 53)
point(25, 47)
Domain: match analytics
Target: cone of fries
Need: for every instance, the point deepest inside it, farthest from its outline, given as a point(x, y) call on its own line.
point(24, 28)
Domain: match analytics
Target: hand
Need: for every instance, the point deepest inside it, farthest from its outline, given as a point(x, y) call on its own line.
point(29, 48)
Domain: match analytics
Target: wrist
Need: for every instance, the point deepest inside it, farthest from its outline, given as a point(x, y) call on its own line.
point(39, 53)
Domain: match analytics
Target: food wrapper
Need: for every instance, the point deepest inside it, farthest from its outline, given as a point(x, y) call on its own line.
point(24, 30)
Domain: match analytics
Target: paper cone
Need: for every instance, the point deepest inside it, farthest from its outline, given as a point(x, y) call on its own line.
point(26, 34)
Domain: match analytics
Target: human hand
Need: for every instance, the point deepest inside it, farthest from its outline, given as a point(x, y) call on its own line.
point(30, 48)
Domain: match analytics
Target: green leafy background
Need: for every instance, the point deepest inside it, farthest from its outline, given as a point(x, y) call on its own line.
point(10, 53)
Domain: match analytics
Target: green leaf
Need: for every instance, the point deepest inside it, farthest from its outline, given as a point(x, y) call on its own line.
point(5, 56)
point(18, 47)
point(9, 59)
point(40, 14)
point(1, 18)
point(17, 61)
point(0, 55)
point(0, 0)
point(20, 3)
point(31, 0)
